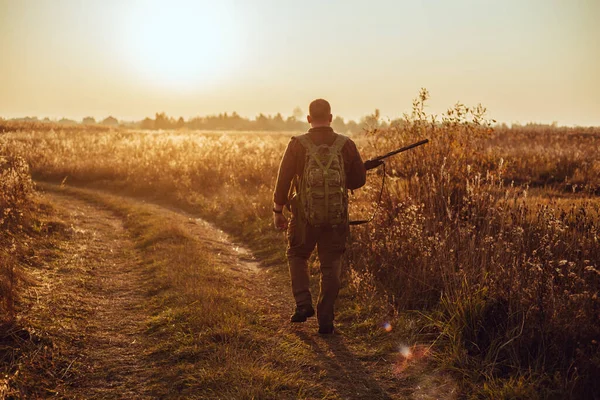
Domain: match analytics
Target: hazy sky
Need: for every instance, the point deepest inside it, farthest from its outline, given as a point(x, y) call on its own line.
point(526, 60)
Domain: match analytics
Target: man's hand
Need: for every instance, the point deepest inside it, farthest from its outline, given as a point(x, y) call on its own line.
point(280, 221)
point(370, 164)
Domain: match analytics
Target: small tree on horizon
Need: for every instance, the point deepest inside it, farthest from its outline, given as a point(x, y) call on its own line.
point(339, 125)
point(298, 113)
point(110, 121)
point(147, 123)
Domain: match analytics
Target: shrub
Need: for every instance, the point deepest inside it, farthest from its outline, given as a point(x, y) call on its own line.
point(16, 190)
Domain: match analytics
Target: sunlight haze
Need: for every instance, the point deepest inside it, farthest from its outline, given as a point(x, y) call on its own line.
point(524, 60)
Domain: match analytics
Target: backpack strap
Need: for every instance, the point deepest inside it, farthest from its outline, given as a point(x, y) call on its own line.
point(306, 142)
point(337, 146)
point(339, 143)
point(311, 149)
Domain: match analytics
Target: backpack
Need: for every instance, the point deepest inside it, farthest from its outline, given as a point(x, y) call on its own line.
point(322, 189)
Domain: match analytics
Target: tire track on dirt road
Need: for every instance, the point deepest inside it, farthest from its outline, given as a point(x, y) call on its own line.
point(95, 294)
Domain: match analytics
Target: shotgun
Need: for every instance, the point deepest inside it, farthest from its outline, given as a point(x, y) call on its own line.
point(377, 161)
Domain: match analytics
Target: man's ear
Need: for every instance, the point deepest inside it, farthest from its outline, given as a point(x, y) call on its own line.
point(330, 118)
point(309, 119)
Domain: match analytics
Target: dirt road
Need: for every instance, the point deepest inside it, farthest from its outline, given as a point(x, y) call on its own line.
point(93, 294)
point(94, 297)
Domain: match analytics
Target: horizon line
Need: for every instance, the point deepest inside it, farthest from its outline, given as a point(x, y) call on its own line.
point(79, 119)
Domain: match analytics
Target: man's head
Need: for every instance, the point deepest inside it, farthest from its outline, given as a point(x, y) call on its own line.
point(319, 113)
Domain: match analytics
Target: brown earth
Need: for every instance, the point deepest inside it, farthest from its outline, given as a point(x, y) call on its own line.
point(93, 296)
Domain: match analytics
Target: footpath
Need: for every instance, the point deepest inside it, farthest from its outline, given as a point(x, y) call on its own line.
point(121, 335)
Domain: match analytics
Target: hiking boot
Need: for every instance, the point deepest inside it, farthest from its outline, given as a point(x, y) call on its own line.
point(302, 313)
point(326, 329)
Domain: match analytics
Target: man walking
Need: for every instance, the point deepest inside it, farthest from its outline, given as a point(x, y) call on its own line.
point(315, 174)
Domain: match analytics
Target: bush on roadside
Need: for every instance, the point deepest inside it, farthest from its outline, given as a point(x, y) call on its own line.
point(16, 191)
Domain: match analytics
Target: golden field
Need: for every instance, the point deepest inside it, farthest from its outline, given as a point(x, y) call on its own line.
point(492, 235)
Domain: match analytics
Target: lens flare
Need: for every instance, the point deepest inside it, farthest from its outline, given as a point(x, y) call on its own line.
point(387, 327)
point(409, 356)
point(405, 351)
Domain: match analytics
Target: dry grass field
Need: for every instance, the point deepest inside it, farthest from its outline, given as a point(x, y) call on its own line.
point(16, 195)
point(489, 238)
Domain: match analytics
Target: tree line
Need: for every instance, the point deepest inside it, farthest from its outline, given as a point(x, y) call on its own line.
point(224, 121)
point(262, 122)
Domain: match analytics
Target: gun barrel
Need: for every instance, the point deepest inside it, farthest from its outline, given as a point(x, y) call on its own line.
point(410, 146)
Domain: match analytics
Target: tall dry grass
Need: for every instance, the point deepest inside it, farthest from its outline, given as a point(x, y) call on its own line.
point(542, 155)
point(16, 191)
point(226, 178)
point(513, 284)
point(509, 281)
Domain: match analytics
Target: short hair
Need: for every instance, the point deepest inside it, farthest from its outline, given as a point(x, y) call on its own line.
point(319, 110)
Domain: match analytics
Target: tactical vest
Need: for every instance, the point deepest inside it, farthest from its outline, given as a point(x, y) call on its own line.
point(322, 188)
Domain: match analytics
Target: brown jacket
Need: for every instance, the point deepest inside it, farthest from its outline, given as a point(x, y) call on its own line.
point(294, 158)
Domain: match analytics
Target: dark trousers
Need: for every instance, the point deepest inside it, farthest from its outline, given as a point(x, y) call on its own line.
point(331, 244)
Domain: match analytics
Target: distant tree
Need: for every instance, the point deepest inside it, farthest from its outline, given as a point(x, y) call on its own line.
point(371, 121)
point(298, 113)
point(262, 122)
point(162, 121)
point(353, 127)
point(88, 121)
point(147, 123)
point(237, 122)
point(110, 121)
point(291, 122)
point(277, 122)
point(66, 121)
point(195, 123)
point(339, 125)
point(180, 123)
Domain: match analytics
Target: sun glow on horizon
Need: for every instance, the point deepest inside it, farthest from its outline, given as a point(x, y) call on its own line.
point(181, 45)
point(528, 61)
